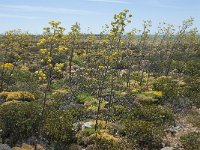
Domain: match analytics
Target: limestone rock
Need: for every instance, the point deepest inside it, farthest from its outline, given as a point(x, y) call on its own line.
point(39, 147)
point(167, 148)
point(17, 148)
point(27, 147)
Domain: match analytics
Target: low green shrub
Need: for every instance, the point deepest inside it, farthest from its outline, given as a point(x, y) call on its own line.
point(194, 118)
point(119, 112)
point(19, 120)
point(103, 140)
point(84, 97)
point(191, 141)
point(146, 99)
point(58, 127)
point(159, 115)
point(144, 134)
point(166, 84)
point(20, 96)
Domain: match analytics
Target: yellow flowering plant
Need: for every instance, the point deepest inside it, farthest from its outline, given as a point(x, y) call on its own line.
point(58, 67)
point(41, 75)
point(51, 46)
point(154, 93)
point(7, 66)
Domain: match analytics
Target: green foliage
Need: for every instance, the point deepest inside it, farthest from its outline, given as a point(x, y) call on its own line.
point(192, 68)
point(167, 85)
point(119, 112)
point(144, 134)
point(93, 105)
point(84, 134)
point(191, 141)
point(20, 96)
point(84, 97)
point(159, 115)
point(104, 140)
point(59, 95)
point(194, 118)
point(23, 80)
point(57, 127)
point(147, 99)
point(192, 90)
point(19, 121)
point(173, 92)
point(111, 78)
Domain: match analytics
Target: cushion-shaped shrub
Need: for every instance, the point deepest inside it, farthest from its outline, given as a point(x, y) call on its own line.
point(58, 126)
point(102, 139)
point(20, 96)
point(19, 120)
point(144, 134)
point(146, 99)
point(159, 115)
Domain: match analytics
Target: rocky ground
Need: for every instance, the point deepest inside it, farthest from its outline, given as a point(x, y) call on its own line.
point(23, 147)
point(172, 140)
point(183, 127)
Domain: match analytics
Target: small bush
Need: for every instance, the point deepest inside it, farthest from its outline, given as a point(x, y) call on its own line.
point(20, 96)
point(57, 127)
point(104, 140)
point(166, 84)
point(159, 115)
point(144, 134)
point(84, 97)
point(84, 134)
point(119, 112)
point(154, 93)
point(146, 99)
point(191, 141)
point(194, 118)
point(19, 120)
point(92, 105)
point(59, 95)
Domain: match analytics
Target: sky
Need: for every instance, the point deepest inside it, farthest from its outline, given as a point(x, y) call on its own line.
point(33, 15)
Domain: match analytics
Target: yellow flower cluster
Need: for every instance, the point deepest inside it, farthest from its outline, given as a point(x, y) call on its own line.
point(41, 42)
point(104, 42)
point(155, 93)
point(134, 84)
point(7, 65)
point(83, 54)
point(43, 51)
point(115, 55)
point(101, 67)
point(134, 91)
point(48, 59)
point(41, 74)
point(104, 136)
point(91, 39)
point(54, 23)
point(62, 49)
point(58, 67)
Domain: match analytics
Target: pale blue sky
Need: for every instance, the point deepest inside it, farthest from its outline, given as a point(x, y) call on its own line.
point(33, 15)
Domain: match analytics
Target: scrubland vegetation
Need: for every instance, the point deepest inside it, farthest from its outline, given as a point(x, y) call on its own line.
point(113, 91)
